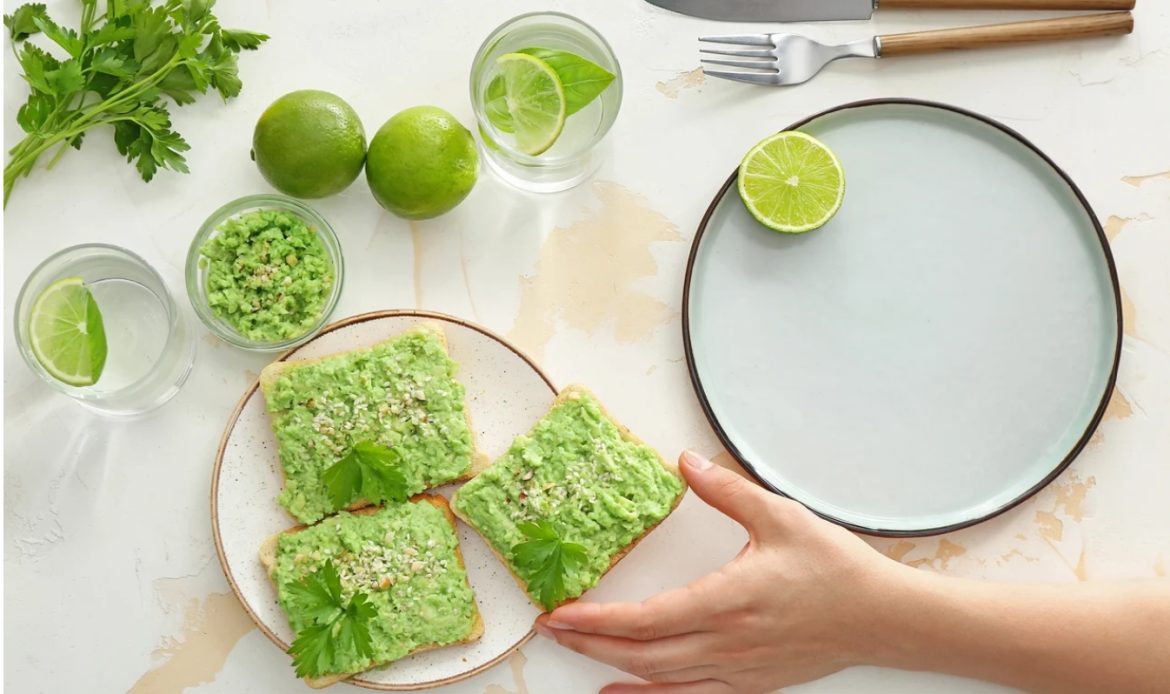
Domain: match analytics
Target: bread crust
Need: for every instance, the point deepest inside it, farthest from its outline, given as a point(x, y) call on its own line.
point(572, 392)
point(271, 373)
point(268, 560)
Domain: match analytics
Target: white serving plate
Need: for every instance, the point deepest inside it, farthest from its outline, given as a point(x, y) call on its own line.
point(506, 394)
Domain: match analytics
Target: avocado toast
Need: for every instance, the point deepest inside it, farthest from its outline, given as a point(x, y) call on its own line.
point(400, 394)
point(404, 558)
point(580, 474)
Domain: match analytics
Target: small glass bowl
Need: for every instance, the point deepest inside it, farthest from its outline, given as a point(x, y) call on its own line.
point(197, 272)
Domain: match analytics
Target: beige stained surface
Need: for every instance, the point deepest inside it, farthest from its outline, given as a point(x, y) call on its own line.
point(589, 282)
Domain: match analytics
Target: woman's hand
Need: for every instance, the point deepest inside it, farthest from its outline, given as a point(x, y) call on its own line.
point(803, 599)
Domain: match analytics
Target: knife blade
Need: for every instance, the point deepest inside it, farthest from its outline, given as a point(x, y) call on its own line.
point(771, 10)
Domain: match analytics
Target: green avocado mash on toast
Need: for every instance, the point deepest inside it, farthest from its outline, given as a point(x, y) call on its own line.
point(569, 499)
point(400, 394)
point(401, 563)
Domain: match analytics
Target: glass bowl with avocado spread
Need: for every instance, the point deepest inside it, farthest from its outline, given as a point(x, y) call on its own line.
point(264, 272)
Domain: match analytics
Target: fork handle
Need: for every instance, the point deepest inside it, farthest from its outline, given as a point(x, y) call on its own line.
point(1008, 4)
point(1108, 24)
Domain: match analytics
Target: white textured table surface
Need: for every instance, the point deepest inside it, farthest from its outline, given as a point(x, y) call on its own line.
point(111, 581)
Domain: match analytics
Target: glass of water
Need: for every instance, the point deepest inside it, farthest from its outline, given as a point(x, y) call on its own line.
point(579, 149)
point(150, 349)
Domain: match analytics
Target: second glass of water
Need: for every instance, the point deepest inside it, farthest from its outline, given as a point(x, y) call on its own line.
point(578, 150)
point(149, 348)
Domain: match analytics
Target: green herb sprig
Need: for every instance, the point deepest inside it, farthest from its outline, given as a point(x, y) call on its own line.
point(546, 558)
point(368, 471)
point(335, 625)
point(115, 70)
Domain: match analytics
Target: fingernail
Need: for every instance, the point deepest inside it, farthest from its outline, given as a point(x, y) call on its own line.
point(696, 461)
point(558, 625)
point(543, 630)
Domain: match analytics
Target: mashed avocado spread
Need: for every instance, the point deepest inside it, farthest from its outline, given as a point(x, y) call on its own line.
point(401, 394)
point(268, 275)
point(576, 471)
point(403, 557)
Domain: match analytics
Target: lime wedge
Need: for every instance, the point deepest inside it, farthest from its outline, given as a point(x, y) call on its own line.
point(66, 333)
point(791, 183)
point(535, 99)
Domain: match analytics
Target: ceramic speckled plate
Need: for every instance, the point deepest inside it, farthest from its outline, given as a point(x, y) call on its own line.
point(937, 353)
point(506, 394)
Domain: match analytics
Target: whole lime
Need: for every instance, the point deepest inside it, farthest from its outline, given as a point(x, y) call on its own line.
point(309, 144)
point(421, 163)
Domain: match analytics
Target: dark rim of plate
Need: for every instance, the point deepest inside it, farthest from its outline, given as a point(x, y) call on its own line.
point(1064, 463)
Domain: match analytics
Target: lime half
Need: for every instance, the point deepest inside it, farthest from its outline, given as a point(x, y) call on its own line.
point(791, 183)
point(536, 101)
point(66, 333)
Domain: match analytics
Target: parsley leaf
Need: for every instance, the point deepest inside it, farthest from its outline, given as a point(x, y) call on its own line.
point(129, 56)
point(368, 471)
point(546, 558)
point(23, 22)
point(334, 625)
point(242, 40)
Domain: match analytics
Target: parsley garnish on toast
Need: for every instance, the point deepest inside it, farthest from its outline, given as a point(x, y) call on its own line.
point(546, 558)
point(333, 623)
point(368, 471)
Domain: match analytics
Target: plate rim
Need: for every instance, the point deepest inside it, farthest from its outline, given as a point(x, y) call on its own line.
point(233, 418)
point(1110, 384)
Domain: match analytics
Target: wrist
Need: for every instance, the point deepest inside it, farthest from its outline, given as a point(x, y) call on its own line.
point(894, 632)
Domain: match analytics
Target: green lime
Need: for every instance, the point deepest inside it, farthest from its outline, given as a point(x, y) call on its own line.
point(536, 100)
point(421, 163)
point(791, 182)
point(66, 333)
point(309, 144)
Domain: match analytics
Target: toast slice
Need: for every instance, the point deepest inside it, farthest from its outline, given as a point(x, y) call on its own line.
point(584, 473)
point(400, 393)
point(405, 557)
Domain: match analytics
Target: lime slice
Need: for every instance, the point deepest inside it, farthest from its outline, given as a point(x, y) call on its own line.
point(66, 333)
point(791, 183)
point(535, 99)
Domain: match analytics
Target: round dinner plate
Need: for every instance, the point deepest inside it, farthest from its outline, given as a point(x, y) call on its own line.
point(936, 353)
point(506, 395)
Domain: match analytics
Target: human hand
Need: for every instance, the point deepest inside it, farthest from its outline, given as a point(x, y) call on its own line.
point(803, 599)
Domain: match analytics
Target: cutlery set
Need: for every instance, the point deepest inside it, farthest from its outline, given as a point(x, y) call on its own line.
point(781, 59)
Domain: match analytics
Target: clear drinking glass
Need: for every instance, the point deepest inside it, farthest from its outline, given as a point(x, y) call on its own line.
point(150, 348)
point(580, 147)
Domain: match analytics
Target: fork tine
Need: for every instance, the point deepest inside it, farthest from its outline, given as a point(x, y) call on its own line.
point(750, 64)
point(770, 78)
point(741, 39)
point(745, 53)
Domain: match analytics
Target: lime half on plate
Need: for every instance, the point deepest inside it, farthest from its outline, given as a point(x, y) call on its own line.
point(66, 333)
point(791, 183)
point(535, 99)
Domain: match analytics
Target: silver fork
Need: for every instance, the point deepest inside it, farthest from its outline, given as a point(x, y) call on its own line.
point(786, 59)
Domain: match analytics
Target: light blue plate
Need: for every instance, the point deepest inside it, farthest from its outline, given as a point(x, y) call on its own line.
point(936, 353)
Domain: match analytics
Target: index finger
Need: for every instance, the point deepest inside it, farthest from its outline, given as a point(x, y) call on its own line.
point(668, 614)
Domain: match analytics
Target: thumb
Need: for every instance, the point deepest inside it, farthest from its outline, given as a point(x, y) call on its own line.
point(745, 502)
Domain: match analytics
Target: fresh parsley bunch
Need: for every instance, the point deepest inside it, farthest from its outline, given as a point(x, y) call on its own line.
point(334, 625)
point(115, 70)
point(547, 559)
